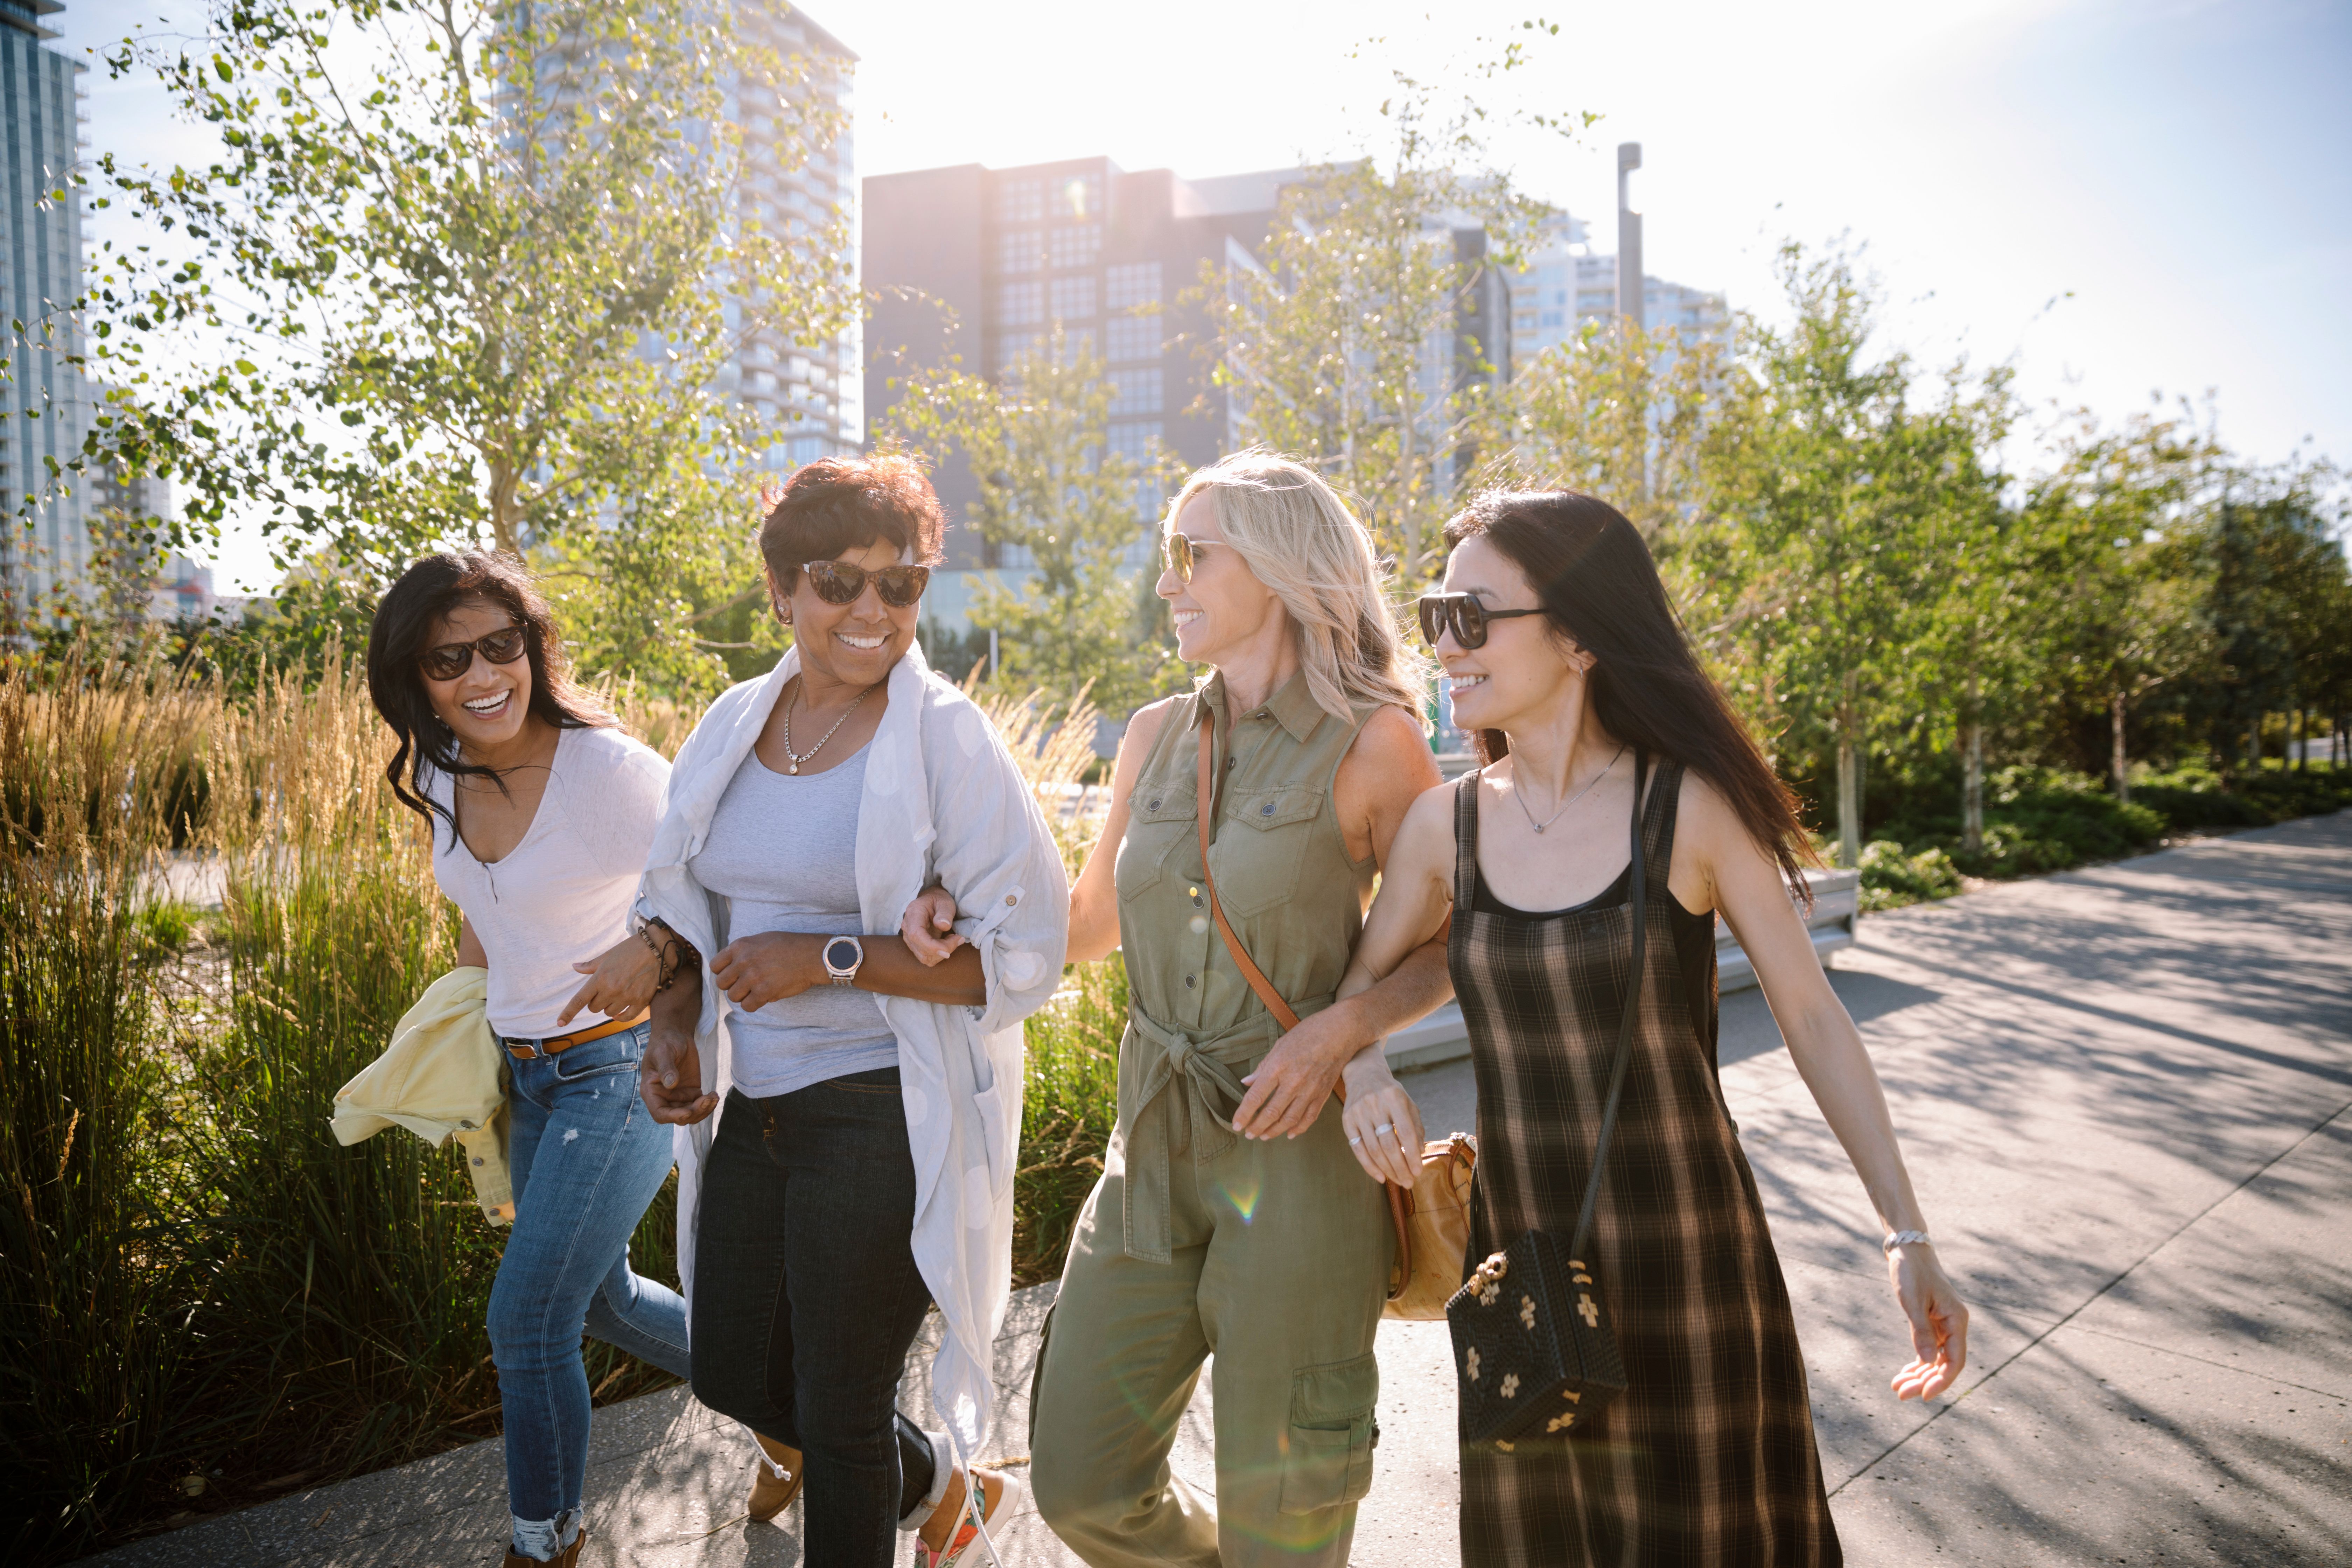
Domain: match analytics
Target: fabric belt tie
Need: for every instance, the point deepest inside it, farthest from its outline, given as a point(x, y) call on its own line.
point(1198, 1116)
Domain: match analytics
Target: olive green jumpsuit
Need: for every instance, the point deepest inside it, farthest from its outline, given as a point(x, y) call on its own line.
point(1272, 1257)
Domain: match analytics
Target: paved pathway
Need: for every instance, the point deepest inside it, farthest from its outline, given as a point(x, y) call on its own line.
point(2126, 1095)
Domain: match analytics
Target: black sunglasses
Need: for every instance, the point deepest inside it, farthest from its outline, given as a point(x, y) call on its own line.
point(1182, 554)
point(839, 582)
point(451, 659)
point(1464, 615)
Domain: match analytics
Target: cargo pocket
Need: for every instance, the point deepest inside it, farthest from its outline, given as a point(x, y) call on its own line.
point(1332, 1435)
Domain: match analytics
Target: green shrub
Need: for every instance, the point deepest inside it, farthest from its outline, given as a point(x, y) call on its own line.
point(2280, 792)
point(1069, 1105)
point(1891, 879)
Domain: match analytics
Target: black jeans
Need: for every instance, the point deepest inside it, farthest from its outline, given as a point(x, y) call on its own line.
point(806, 1298)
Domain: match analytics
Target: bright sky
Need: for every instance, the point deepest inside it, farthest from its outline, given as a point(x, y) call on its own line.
point(2123, 196)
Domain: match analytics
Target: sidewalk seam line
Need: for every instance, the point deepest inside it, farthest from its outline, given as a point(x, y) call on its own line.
point(1945, 1407)
point(2216, 1365)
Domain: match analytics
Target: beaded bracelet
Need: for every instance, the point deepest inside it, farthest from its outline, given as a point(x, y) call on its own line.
point(669, 956)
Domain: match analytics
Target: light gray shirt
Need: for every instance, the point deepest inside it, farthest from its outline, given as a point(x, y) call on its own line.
point(783, 852)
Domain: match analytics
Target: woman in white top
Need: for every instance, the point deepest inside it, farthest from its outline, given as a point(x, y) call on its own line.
point(859, 1165)
point(543, 812)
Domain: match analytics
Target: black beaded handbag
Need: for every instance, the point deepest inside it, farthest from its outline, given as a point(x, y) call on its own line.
point(1534, 1350)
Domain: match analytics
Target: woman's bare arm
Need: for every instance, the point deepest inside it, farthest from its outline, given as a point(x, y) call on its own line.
point(1744, 884)
point(1377, 789)
point(1094, 897)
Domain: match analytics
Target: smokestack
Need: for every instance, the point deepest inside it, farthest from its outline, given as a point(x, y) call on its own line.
point(1629, 237)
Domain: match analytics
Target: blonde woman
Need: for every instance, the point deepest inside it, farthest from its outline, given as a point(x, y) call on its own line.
point(1266, 1249)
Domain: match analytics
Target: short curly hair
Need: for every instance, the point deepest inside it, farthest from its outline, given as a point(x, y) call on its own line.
point(846, 503)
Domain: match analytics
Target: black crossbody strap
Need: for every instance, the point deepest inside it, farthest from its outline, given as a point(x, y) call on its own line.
point(1624, 1028)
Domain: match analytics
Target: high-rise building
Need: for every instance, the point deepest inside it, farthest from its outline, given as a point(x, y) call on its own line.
point(978, 265)
point(1565, 284)
point(40, 101)
point(811, 394)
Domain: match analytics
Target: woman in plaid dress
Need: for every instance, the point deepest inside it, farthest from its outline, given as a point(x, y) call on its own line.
point(1577, 690)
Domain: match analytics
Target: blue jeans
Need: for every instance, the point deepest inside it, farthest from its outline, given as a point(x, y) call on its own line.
point(586, 1159)
point(806, 1298)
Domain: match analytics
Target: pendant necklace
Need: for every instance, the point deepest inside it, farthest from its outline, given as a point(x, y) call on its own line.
point(1516, 793)
point(797, 758)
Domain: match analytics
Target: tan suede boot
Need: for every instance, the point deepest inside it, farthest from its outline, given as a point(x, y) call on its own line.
point(567, 1558)
point(775, 1479)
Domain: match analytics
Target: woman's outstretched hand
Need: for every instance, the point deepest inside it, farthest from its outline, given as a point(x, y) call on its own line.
point(1376, 1100)
point(928, 926)
point(1939, 1323)
point(621, 981)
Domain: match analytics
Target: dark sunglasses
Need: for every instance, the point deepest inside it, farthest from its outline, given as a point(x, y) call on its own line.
point(1464, 615)
point(1182, 554)
point(839, 582)
point(452, 660)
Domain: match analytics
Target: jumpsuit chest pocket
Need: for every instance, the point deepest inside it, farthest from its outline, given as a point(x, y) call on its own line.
point(1161, 818)
point(1261, 845)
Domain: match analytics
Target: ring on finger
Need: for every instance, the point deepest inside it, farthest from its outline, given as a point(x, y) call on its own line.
point(1355, 1142)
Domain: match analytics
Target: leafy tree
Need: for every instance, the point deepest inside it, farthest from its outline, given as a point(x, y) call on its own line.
point(1630, 416)
point(1038, 442)
point(1344, 345)
point(1833, 481)
point(1979, 651)
point(471, 273)
point(2123, 606)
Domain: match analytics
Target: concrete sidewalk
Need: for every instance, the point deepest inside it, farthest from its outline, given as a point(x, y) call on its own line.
point(2127, 1098)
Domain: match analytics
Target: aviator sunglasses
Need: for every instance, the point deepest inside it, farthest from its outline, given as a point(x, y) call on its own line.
point(839, 582)
point(451, 659)
point(1182, 554)
point(1464, 615)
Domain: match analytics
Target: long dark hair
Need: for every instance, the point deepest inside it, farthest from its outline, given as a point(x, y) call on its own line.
point(427, 591)
point(1598, 584)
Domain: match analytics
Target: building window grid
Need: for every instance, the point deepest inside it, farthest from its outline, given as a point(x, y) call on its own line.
point(1020, 250)
point(1133, 286)
point(1020, 201)
point(1133, 338)
point(1020, 304)
point(1135, 391)
point(1074, 244)
point(1073, 297)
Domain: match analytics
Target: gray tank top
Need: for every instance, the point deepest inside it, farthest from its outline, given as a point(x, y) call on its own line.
point(782, 851)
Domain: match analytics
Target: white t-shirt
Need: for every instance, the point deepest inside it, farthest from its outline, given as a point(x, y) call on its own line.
point(562, 895)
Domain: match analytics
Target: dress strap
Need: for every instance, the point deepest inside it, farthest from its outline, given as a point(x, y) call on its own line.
point(1465, 844)
point(1658, 821)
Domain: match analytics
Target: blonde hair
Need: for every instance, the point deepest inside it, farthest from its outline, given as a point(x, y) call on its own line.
point(1301, 540)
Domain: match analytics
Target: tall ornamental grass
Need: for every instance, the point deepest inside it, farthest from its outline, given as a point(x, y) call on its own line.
point(91, 754)
point(339, 1314)
point(205, 1300)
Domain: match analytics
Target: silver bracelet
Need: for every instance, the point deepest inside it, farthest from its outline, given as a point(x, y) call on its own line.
point(1895, 1238)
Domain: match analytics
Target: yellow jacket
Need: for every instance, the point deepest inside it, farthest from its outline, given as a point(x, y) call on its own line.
point(443, 1077)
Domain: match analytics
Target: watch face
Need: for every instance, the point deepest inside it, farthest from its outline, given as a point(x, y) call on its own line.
point(840, 954)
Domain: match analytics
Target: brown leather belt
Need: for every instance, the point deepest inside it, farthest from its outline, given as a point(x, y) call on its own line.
point(524, 1050)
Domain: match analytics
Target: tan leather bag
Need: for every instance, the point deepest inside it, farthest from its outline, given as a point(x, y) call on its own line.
point(1433, 1221)
point(1437, 1231)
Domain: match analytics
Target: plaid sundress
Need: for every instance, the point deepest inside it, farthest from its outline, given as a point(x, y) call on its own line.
point(1707, 1457)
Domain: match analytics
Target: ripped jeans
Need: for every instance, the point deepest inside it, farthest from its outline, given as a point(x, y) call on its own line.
point(586, 1159)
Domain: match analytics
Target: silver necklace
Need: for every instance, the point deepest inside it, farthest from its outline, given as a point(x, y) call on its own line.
point(797, 758)
point(1519, 795)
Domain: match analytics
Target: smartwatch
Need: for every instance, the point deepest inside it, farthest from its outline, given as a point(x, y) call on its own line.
point(843, 955)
